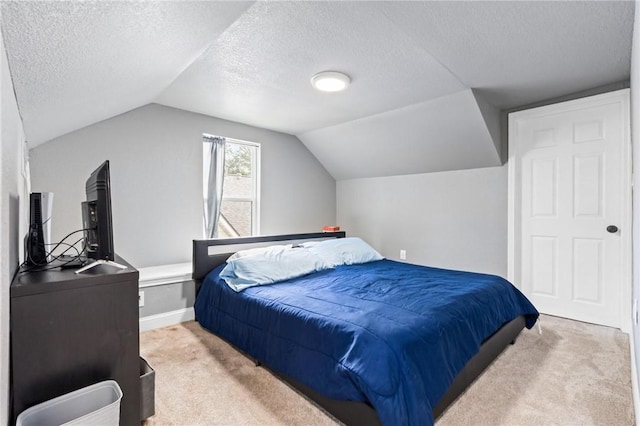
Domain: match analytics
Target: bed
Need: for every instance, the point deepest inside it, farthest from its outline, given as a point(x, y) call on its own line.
point(380, 342)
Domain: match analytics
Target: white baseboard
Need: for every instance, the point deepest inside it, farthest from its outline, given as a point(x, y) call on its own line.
point(634, 380)
point(166, 318)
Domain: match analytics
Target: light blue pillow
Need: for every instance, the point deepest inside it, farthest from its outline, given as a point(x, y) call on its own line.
point(343, 251)
point(258, 250)
point(271, 266)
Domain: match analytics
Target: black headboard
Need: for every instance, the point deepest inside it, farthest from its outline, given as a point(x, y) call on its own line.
point(206, 259)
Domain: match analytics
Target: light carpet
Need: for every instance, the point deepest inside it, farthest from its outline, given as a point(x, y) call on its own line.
point(572, 374)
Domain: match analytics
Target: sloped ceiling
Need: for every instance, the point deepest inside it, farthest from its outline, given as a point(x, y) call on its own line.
point(77, 63)
point(428, 78)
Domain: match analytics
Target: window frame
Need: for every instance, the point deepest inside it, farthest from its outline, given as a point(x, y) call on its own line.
point(256, 184)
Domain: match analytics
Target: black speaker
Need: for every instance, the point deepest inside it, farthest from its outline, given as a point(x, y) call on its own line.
point(39, 234)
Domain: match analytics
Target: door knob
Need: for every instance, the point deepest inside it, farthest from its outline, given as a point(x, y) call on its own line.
point(612, 229)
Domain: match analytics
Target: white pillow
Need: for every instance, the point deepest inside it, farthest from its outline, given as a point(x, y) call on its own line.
point(271, 266)
point(258, 250)
point(343, 251)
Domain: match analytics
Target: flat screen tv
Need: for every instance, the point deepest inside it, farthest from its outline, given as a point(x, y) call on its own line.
point(96, 215)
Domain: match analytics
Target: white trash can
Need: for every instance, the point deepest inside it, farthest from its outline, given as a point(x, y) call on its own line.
point(95, 405)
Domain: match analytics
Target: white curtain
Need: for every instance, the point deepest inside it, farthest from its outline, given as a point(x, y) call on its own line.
point(213, 180)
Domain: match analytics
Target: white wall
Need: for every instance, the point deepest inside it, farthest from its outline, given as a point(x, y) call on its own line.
point(13, 209)
point(452, 219)
point(635, 138)
point(156, 180)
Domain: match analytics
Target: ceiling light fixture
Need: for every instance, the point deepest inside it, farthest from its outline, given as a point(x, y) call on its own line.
point(330, 81)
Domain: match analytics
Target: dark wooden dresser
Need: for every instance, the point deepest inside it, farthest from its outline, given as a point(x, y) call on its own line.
point(72, 330)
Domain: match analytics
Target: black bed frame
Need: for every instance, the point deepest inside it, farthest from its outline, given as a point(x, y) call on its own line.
point(208, 254)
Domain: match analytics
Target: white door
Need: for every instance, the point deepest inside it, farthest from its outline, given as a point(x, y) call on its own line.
point(570, 200)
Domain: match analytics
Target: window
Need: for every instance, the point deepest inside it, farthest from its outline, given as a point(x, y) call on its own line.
point(239, 212)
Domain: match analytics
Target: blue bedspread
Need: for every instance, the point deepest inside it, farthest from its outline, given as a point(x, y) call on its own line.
point(390, 333)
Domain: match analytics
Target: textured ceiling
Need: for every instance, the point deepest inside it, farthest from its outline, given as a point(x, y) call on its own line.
point(447, 133)
point(76, 63)
point(428, 78)
point(259, 70)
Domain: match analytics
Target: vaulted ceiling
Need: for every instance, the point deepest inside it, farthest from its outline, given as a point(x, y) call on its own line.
point(428, 78)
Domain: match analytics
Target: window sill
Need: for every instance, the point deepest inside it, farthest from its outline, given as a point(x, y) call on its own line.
point(165, 274)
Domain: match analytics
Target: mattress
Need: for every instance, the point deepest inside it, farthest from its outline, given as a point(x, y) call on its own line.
point(391, 334)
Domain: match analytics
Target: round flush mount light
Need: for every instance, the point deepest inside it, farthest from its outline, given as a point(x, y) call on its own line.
point(330, 81)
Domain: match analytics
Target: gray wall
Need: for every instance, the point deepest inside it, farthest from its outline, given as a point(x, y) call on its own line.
point(156, 180)
point(13, 186)
point(635, 138)
point(454, 219)
point(163, 298)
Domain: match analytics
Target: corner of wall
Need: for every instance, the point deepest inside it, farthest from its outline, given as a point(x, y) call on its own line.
point(14, 183)
point(634, 338)
point(492, 119)
point(14, 190)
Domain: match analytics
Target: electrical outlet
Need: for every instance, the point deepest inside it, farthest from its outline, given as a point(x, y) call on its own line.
point(403, 254)
point(140, 299)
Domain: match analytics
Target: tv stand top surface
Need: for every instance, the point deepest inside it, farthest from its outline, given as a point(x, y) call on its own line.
point(91, 264)
point(27, 283)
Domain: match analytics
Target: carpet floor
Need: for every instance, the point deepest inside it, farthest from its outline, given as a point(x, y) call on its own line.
point(572, 374)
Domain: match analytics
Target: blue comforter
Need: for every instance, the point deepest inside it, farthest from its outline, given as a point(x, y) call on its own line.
point(390, 333)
